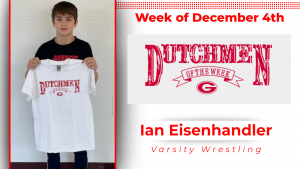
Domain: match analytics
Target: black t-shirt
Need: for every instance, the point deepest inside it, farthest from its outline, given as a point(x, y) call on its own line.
point(78, 49)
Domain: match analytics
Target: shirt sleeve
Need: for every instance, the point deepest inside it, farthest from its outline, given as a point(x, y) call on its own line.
point(39, 53)
point(92, 84)
point(29, 84)
point(89, 51)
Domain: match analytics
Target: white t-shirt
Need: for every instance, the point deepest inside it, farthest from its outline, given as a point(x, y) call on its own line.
point(62, 110)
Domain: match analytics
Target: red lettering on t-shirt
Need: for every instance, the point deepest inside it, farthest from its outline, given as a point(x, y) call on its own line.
point(64, 57)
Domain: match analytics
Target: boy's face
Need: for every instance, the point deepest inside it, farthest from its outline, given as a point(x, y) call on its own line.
point(64, 24)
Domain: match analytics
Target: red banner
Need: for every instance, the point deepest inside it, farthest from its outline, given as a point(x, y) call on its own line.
point(60, 89)
point(199, 71)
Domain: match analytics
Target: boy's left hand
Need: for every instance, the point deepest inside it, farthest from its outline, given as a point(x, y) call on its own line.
point(91, 63)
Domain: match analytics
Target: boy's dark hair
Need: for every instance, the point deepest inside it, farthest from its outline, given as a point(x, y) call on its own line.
point(63, 8)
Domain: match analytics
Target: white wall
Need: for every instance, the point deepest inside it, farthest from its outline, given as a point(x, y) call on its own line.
point(30, 27)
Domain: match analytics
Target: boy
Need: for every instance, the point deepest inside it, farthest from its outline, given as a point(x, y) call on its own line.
point(65, 46)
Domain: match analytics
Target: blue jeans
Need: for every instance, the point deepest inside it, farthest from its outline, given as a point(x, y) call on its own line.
point(81, 160)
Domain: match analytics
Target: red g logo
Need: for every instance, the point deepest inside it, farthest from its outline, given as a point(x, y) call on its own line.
point(59, 94)
point(206, 87)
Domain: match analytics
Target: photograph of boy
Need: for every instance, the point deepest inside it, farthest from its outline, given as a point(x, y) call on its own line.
point(65, 47)
point(64, 19)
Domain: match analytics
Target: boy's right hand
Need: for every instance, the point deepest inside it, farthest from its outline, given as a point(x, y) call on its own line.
point(33, 63)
